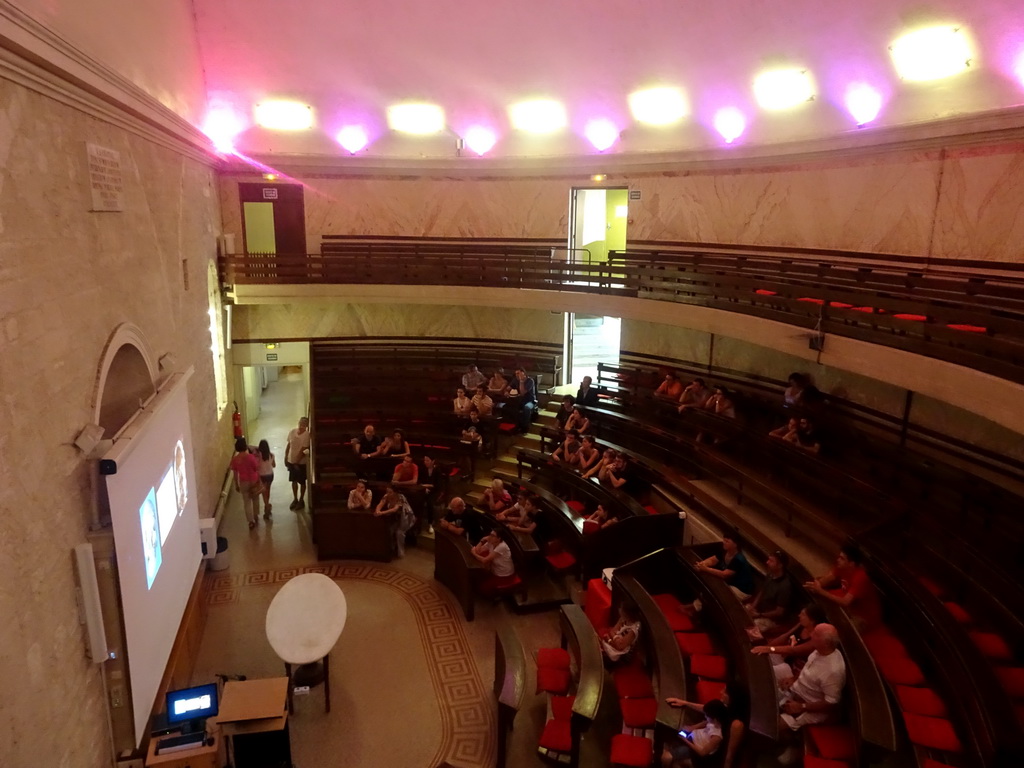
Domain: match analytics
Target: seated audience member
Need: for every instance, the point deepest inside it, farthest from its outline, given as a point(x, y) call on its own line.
point(731, 566)
point(694, 395)
point(734, 723)
point(524, 389)
point(394, 503)
point(406, 473)
point(721, 404)
point(788, 650)
point(787, 431)
point(471, 432)
point(806, 437)
point(773, 603)
point(615, 474)
point(360, 497)
point(587, 456)
point(586, 396)
point(849, 585)
point(494, 553)
point(569, 448)
point(513, 513)
point(482, 402)
point(813, 695)
point(607, 459)
point(396, 446)
point(434, 480)
point(496, 498)
point(797, 383)
point(598, 519)
point(699, 741)
point(524, 522)
point(565, 410)
point(462, 404)
point(472, 378)
point(619, 641)
point(497, 383)
point(461, 520)
point(671, 388)
point(577, 420)
point(369, 444)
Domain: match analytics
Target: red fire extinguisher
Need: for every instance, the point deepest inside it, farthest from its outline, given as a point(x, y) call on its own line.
point(236, 421)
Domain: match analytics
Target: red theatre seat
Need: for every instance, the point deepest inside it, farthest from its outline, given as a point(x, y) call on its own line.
point(1012, 680)
point(554, 681)
point(632, 682)
point(992, 645)
point(929, 763)
point(833, 742)
point(766, 292)
point(709, 667)
point(899, 670)
point(597, 604)
point(639, 713)
point(813, 761)
point(911, 316)
point(667, 602)
point(576, 506)
point(932, 586)
point(561, 707)
point(811, 300)
point(632, 751)
point(882, 644)
point(557, 736)
point(553, 658)
point(932, 732)
point(958, 613)
point(679, 621)
point(920, 701)
point(708, 690)
point(968, 328)
point(691, 643)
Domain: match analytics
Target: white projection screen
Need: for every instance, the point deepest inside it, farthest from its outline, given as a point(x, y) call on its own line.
point(156, 535)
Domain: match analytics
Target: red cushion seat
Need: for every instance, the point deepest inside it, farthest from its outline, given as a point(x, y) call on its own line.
point(834, 742)
point(967, 327)
point(589, 526)
point(597, 604)
point(553, 680)
point(709, 667)
point(632, 682)
point(708, 690)
point(900, 670)
point(555, 658)
point(561, 707)
point(1012, 680)
point(921, 701)
point(691, 643)
point(929, 763)
point(932, 586)
point(667, 602)
point(679, 621)
point(992, 645)
point(639, 713)
point(882, 644)
point(557, 735)
point(561, 561)
point(576, 506)
point(932, 732)
point(650, 509)
point(957, 612)
point(813, 761)
point(632, 751)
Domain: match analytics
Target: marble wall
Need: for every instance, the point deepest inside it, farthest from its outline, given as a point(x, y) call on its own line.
point(68, 278)
point(961, 203)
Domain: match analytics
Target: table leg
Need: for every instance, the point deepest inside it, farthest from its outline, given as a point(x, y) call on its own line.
point(291, 685)
point(327, 682)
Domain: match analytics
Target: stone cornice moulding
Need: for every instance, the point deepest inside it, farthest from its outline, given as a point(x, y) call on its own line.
point(989, 129)
point(38, 59)
point(944, 381)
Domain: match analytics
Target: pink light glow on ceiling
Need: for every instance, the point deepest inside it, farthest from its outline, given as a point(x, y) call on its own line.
point(601, 133)
point(1018, 67)
point(863, 102)
point(222, 125)
point(479, 139)
point(731, 123)
point(353, 138)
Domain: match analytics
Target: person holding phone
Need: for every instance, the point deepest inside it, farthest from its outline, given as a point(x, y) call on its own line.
point(701, 740)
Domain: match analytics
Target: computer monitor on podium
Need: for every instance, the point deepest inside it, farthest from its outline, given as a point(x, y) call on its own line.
point(191, 706)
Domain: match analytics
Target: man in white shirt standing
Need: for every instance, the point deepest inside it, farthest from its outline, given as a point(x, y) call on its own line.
point(812, 696)
point(296, 457)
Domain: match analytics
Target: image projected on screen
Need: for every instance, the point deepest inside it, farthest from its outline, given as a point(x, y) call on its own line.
point(151, 553)
point(155, 514)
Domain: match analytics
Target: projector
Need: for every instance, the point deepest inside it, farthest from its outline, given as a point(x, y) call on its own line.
point(108, 467)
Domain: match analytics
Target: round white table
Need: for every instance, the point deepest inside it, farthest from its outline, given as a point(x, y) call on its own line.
point(304, 621)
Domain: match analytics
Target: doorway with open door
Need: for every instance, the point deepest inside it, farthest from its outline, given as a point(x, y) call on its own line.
point(597, 225)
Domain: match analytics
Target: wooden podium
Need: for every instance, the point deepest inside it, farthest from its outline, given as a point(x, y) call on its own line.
point(254, 718)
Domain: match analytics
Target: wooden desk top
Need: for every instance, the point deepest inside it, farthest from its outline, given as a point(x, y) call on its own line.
point(251, 706)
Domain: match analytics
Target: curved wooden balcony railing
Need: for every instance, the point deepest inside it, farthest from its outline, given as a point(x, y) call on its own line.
point(965, 312)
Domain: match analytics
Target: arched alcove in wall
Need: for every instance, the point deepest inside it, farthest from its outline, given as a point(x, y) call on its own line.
point(127, 377)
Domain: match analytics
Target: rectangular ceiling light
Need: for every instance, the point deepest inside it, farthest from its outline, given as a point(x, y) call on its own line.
point(783, 88)
point(931, 53)
point(280, 115)
point(416, 118)
point(538, 116)
point(658, 106)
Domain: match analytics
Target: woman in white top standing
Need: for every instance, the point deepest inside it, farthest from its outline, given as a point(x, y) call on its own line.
point(267, 465)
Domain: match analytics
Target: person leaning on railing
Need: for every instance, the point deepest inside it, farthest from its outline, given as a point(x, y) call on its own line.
point(695, 394)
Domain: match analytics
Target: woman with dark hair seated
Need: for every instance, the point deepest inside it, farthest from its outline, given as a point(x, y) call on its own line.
point(360, 497)
point(577, 420)
point(587, 456)
point(607, 459)
point(733, 725)
point(462, 403)
point(497, 383)
point(618, 642)
point(698, 743)
point(565, 410)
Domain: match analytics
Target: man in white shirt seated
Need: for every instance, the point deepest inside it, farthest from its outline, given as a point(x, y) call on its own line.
point(813, 696)
point(494, 553)
point(472, 378)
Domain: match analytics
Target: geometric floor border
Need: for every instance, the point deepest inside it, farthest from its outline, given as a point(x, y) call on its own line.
point(468, 723)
